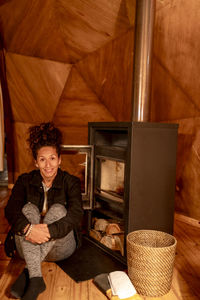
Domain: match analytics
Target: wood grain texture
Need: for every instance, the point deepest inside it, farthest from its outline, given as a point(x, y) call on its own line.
point(175, 91)
point(68, 32)
point(31, 28)
point(35, 86)
point(78, 22)
point(23, 156)
point(74, 135)
point(177, 44)
point(169, 100)
point(79, 105)
point(70, 26)
point(108, 72)
point(187, 220)
point(188, 168)
point(185, 283)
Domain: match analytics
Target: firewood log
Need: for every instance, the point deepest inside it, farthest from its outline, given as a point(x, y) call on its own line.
point(113, 228)
point(119, 243)
point(113, 242)
point(101, 225)
point(108, 241)
point(95, 234)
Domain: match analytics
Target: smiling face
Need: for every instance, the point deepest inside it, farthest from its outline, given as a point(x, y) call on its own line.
point(48, 162)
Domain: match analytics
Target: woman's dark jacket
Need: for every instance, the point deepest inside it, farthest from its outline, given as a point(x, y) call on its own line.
point(65, 190)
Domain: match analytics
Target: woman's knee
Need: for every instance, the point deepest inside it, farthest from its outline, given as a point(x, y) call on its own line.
point(31, 212)
point(56, 212)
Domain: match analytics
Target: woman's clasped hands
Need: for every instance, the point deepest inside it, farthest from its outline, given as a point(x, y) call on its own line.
point(39, 234)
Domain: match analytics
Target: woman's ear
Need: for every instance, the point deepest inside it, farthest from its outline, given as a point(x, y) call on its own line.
point(59, 160)
point(36, 164)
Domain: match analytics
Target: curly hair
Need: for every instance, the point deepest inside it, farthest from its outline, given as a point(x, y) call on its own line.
point(45, 134)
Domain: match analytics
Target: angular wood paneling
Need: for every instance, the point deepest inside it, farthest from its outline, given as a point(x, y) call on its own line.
point(31, 28)
point(79, 25)
point(35, 86)
point(175, 91)
point(169, 100)
point(188, 168)
point(57, 71)
point(23, 157)
point(74, 135)
point(79, 105)
point(131, 10)
point(40, 28)
point(108, 72)
point(177, 43)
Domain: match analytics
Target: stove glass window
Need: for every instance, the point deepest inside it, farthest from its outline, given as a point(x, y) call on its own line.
point(110, 182)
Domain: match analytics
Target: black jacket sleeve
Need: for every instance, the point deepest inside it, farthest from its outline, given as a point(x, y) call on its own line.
point(74, 215)
point(13, 209)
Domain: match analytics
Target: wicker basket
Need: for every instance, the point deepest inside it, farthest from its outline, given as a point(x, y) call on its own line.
point(150, 257)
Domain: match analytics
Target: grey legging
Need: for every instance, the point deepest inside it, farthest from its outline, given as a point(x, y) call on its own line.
point(54, 250)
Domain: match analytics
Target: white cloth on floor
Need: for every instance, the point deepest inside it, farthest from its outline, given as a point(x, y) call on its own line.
point(121, 285)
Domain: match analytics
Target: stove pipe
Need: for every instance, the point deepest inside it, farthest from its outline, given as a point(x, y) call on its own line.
point(145, 13)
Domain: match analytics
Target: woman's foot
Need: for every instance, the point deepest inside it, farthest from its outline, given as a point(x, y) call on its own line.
point(19, 286)
point(35, 287)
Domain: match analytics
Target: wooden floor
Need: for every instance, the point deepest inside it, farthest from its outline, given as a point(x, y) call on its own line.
point(186, 277)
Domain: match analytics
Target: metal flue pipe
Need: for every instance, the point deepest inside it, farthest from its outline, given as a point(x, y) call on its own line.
point(145, 13)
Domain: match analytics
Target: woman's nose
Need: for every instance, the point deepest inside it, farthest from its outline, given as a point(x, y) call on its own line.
point(47, 163)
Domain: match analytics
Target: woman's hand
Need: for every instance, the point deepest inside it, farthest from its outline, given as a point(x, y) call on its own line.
point(39, 234)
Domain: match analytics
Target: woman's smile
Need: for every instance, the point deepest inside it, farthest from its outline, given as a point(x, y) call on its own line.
point(48, 162)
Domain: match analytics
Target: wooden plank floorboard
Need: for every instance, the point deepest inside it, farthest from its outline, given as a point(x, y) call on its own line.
point(185, 283)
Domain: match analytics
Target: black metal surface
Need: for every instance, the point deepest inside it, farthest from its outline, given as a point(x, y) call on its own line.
point(149, 153)
point(89, 261)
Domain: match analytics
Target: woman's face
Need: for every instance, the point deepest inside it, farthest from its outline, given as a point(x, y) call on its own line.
point(48, 162)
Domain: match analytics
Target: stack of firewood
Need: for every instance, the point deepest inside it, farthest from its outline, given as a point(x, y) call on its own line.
point(109, 234)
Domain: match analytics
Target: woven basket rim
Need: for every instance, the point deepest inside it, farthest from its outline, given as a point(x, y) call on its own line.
point(154, 231)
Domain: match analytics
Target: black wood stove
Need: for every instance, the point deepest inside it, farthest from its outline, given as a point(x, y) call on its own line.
point(128, 174)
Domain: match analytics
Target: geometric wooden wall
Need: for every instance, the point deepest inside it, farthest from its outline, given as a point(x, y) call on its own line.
point(175, 91)
point(70, 62)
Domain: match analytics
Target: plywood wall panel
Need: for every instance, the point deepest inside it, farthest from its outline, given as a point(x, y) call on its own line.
point(45, 41)
point(188, 168)
point(35, 86)
point(86, 111)
point(108, 72)
point(76, 28)
point(131, 11)
point(177, 43)
point(74, 135)
point(23, 156)
point(79, 25)
point(169, 100)
point(31, 27)
point(79, 105)
point(175, 91)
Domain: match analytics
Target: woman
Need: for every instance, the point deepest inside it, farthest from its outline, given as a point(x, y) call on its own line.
point(44, 211)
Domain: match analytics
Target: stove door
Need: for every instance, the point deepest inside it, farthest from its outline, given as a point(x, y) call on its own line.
point(78, 161)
